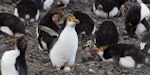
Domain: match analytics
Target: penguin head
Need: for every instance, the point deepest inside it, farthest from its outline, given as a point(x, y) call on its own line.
point(71, 20)
point(56, 17)
point(20, 43)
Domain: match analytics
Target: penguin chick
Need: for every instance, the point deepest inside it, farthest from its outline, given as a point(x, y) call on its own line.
point(145, 43)
point(136, 20)
point(107, 34)
point(13, 61)
point(63, 52)
point(107, 8)
point(47, 4)
point(86, 24)
point(123, 54)
point(27, 11)
point(63, 3)
point(47, 29)
point(11, 25)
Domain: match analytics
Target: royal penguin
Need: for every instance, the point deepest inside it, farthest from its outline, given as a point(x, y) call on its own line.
point(107, 34)
point(124, 55)
point(63, 3)
point(27, 11)
point(11, 25)
point(63, 52)
point(107, 8)
point(86, 25)
point(47, 4)
point(13, 61)
point(145, 43)
point(47, 30)
point(136, 20)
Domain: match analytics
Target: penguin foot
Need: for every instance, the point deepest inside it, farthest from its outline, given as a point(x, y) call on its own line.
point(58, 68)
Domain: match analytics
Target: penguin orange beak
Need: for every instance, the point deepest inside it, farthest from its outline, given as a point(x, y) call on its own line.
point(76, 21)
point(72, 18)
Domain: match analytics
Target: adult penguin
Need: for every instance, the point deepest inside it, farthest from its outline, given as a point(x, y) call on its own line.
point(86, 25)
point(107, 34)
point(11, 25)
point(136, 20)
point(13, 61)
point(47, 30)
point(122, 54)
point(27, 11)
point(107, 8)
point(64, 50)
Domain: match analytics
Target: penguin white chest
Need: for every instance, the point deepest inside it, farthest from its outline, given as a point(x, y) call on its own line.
point(65, 48)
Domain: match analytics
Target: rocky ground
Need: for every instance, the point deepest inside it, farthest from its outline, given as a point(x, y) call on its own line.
point(87, 63)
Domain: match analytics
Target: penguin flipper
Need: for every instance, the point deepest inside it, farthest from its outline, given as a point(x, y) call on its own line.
point(22, 67)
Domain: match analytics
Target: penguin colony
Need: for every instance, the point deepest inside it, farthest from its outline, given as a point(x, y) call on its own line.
point(61, 40)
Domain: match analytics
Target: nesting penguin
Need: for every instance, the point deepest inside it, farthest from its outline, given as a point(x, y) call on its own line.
point(11, 25)
point(63, 3)
point(136, 20)
point(27, 11)
point(86, 25)
point(107, 8)
point(107, 34)
point(123, 54)
point(145, 43)
point(13, 61)
point(47, 30)
point(47, 4)
point(63, 52)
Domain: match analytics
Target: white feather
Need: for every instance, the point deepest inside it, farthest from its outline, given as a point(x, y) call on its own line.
point(140, 29)
point(139, 1)
point(127, 62)
point(145, 12)
point(64, 50)
point(100, 53)
point(44, 44)
point(6, 30)
point(113, 12)
point(16, 12)
point(37, 15)
point(47, 4)
point(142, 45)
point(94, 30)
point(8, 62)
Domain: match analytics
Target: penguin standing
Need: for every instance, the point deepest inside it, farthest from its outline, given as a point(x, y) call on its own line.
point(63, 3)
point(136, 20)
point(27, 11)
point(13, 61)
point(123, 54)
point(63, 52)
point(107, 8)
point(47, 4)
point(86, 25)
point(145, 43)
point(107, 34)
point(11, 25)
point(47, 29)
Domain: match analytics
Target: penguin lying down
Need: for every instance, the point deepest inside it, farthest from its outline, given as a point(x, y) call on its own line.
point(13, 61)
point(122, 54)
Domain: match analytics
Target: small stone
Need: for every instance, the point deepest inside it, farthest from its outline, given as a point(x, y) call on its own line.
point(67, 69)
point(91, 71)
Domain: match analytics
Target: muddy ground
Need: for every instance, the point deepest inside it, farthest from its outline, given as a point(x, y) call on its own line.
point(87, 63)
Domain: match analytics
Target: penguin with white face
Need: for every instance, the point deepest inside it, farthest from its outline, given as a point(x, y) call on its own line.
point(63, 52)
point(27, 11)
point(107, 8)
point(47, 4)
point(145, 43)
point(11, 25)
point(47, 30)
point(107, 34)
point(122, 54)
point(13, 61)
point(63, 3)
point(136, 20)
point(86, 25)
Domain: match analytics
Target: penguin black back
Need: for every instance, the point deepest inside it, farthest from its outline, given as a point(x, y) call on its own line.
point(86, 23)
point(107, 34)
point(27, 7)
point(13, 22)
